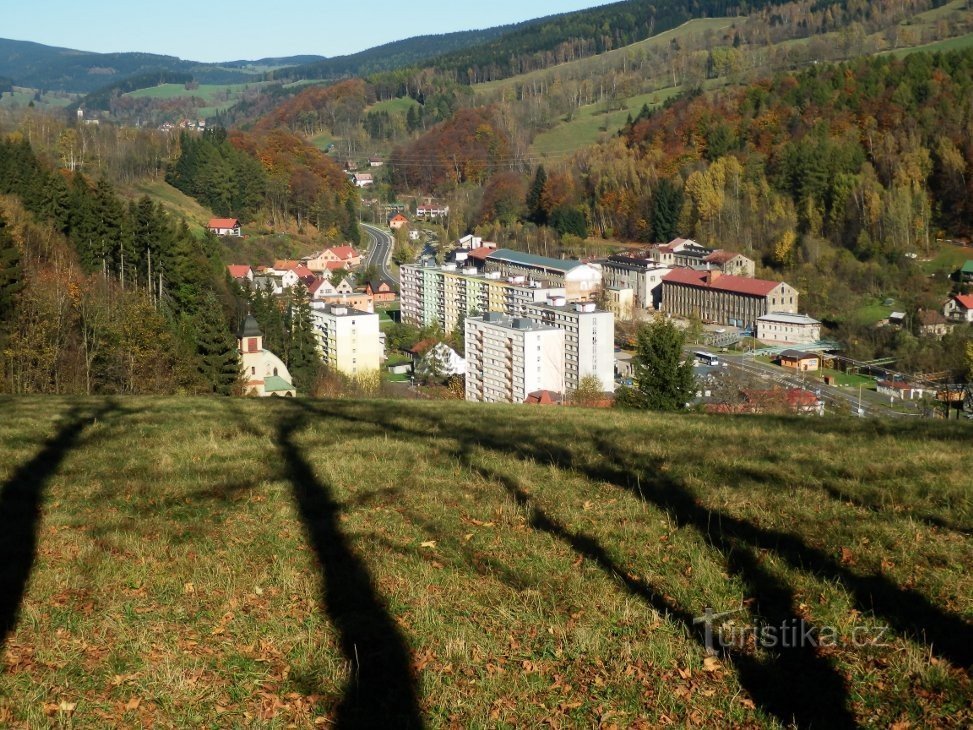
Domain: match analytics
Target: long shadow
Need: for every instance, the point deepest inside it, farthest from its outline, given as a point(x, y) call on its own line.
point(382, 689)
point(908, 611)
point(795, 683)
point(930, 520)
point(20, 511)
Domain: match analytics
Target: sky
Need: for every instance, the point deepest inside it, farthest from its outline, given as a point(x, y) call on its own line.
point(229, 30)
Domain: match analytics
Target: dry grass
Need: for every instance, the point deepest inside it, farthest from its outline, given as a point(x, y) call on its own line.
point(231, 563)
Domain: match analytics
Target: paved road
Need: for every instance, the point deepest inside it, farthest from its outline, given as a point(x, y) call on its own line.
point(846, 398)
point(380, 253)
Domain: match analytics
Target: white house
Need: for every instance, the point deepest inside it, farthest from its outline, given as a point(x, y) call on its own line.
point(225, 227)
point(959, 308)
point(363, 179)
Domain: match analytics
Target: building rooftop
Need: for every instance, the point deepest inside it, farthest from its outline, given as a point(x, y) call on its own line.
point(785, 318)
point(527, 259)
point(250, 328)
point(723, 282)
point(276, 384)
point(515, 323)
point(799, 355)
point(337, 309)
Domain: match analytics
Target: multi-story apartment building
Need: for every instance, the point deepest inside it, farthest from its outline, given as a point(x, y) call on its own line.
point(508, 358)
point(348, 338)
point(642, 275)
point(725, 299)
point(443, 295)
point(589, 339)
point(581, 281)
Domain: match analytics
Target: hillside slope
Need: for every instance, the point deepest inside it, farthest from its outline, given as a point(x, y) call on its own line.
point(388, 563)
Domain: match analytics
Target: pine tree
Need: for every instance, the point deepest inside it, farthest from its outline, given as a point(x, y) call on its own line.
point(535, 196)
point(663, 381)
point(11, 276)
point(302, 356)
point(218, 359)
point(666, 206)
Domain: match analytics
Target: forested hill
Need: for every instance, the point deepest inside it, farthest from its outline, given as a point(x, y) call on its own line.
point(395, 55)
point(37, 66)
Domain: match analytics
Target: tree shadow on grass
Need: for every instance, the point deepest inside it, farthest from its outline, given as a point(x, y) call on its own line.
point(21, 498)
point(797, 684)
point(382, 690)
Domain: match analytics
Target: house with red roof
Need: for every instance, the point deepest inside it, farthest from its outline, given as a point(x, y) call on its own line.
point(959, 308)
point(225, 227)
point(720, 298)
point(333, 258)
point(240, 272)
point(398, 221)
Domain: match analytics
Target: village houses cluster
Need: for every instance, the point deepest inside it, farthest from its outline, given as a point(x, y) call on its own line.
point(342, 310)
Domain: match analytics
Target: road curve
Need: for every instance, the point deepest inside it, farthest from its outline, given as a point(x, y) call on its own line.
point(380, 253)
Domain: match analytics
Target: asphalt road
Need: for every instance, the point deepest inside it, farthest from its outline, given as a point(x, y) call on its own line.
point(380, 253)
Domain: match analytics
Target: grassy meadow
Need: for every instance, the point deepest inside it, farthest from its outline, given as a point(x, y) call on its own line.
point(230, 563)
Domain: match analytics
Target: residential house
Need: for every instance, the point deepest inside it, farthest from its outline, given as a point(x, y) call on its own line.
point(322, 289)
point(782, 400)
point(932, 323)
point(580, 281)
point(380, 291)
point(274, 283)
point(804, 362)
point(730, 262)
point(375, 162)
point(225, 227)
point(509, 357)
point(347, 338)
point(333, 258)
point(241, 272)
point(959, 308)
point(544, 398)
point(788, 329)
point(398, 221)
point(292, 273)
point(265, 374)
point(725, 299)
point(620, 302)
point(363, 179)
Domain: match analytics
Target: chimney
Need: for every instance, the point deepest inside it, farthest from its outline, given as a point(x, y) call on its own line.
point(712, 276)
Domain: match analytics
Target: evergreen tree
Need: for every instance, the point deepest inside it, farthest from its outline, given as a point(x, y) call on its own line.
point(11, 279)
point(569, 219)
point(535, 196)
point(663, 382)
point(666, 206)
point(218, 359)
point(302, 356)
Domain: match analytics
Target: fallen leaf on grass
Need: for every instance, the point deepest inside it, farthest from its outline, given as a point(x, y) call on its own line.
point(67, 707)
point(428, 544)
point(711, 664)
point(847, 557)
point(133, 704)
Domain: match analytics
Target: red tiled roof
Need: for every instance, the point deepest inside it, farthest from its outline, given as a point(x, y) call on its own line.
point(238, 271)
point(400, 217)
point(543, 398)
point(223, 223)
point(719, 257)
point(480, 253)
point(286, 265)
point(965, 300)
point(420, 347)
point(930, 318)
point(726, 282)
point(343, 252)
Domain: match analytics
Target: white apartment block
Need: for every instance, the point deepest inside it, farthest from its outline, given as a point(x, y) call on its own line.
point(589, 339)
point(348, 338)
point(508, 358)
point(442, 295)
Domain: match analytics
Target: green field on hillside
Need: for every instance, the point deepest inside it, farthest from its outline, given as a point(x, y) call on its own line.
point(173, 200)
point(207, 92)
point(230, 563)
point(591, 123)
point(393, 106)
